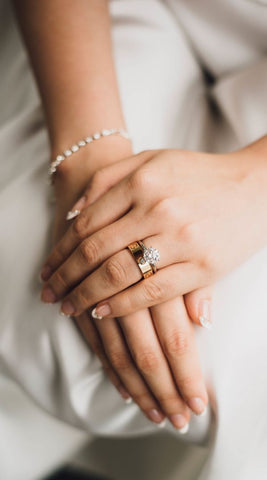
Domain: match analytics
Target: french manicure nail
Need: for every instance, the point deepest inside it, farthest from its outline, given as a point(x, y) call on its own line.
point(67, 308)
point(48, 295)
point(204, 313)
point(64, 314)
point(46, 273)
point(95, 315)
point(155, 416)
point(78, 205)
point(184, 429)
point(204, 413)
point(178, 421)
point(125, 395)
point(162, 424)
point(72, 214)
point(197, 405)
point(101, 311)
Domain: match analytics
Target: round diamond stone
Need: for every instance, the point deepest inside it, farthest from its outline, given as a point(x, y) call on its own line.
point(151, 255)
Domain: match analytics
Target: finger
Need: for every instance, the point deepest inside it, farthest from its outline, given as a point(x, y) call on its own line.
point(107, 177)
point(90, 254)
point(90, 334)
point(119, 357)
point(165, 284)
point(176, 335)
point(118, 272)
point(198, 304)
point(146, 351)
point(108, 208)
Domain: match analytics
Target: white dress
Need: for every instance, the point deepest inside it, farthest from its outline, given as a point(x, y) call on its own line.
point(53, 394)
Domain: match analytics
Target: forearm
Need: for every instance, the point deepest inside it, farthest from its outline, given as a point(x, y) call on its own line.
point(70, 49)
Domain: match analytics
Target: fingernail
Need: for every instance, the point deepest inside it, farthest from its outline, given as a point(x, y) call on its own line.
point(202, 414)
point(95, 315)
point(162, 424)
point(155, 416)
point(101, 311)
point(125, 395)
point(67, 308)
point(48, 295)
point(184, 429)
point(46, 273)
point(72, 214)
point(178, 421)
point(197, 405)
point(64, 314)
point(204, 313)
point(78, 205)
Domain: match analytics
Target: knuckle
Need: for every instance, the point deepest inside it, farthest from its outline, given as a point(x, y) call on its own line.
point(166, 208)
point(115, 273)
point(152, 292)
point(141, 180)
point(168, 400)
point(58, 278)
point(80, 226)
point(57, 256)
point(143, 399)
point(176, 344)
point(89, 251)
point(189, 234)
point(147, 361)
point(98, 178)
point(186, 383)
point(119, 360)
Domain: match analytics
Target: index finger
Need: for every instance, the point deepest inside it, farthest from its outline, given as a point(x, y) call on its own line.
point(105, 210)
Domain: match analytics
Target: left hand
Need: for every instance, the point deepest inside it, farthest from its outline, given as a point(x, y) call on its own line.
point(203, 212)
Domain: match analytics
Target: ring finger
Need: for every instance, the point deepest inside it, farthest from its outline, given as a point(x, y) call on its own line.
point(117, 273)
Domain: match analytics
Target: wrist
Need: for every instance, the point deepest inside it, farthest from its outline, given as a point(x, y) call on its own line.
point(75, 172)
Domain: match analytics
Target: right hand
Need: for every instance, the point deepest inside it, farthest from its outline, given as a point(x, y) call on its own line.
point(149, 356)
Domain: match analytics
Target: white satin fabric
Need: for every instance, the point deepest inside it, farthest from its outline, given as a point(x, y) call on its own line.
point(159, 48)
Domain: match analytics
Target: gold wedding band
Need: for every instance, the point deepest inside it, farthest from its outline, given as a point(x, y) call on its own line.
point(137, 253)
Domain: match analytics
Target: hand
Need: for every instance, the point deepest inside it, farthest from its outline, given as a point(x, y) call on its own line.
point(194, 207)
point(150, 356)
point(74, 174)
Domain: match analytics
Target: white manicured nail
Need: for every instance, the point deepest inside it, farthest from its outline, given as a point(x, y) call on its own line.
point(184, 429)
point(205, 314)
point(72, 214)
point(128, 401)
point(161, 424)
point(95, 315)
point(203, 414)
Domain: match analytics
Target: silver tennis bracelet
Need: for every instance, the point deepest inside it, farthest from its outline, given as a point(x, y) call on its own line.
point(82, 143)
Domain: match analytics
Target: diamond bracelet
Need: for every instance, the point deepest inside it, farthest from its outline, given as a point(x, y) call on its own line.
point(82, 143)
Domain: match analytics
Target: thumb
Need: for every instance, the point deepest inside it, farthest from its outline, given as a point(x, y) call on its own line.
point(198, 305)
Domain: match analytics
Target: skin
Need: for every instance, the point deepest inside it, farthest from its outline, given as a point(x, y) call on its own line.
point(213, 208)
point(68, 83)
point(199, 205)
